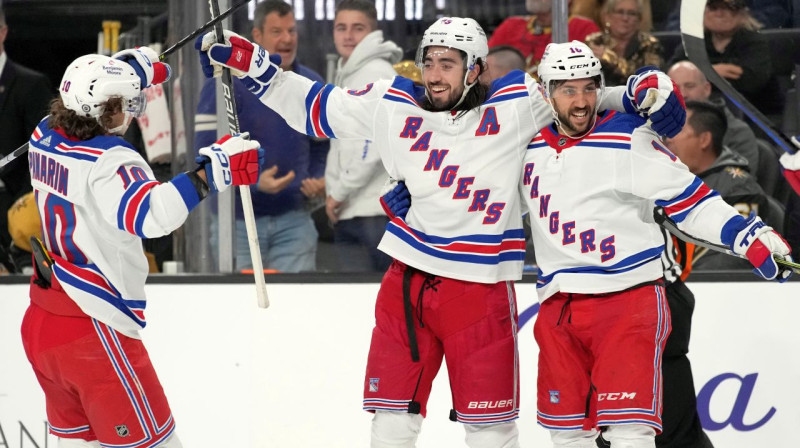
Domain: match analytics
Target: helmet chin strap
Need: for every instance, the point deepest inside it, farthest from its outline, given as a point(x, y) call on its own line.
point(121, 129)
point(467, 86)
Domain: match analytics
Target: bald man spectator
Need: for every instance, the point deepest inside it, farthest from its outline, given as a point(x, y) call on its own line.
point(695, 87)
point(501, 60)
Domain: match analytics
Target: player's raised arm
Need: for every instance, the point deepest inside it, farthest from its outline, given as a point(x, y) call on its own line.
point(313, 108)
point(656, 173)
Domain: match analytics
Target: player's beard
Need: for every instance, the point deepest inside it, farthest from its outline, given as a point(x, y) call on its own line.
point(439, 104)
point(571, 125)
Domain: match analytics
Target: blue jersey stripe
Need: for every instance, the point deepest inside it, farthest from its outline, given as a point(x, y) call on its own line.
point(323, 111)
point(312, 93)
point(628, 264)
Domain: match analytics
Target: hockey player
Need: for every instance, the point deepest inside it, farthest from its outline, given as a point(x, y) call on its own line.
point(591, 181)
point(97, 200)
point(458, 145)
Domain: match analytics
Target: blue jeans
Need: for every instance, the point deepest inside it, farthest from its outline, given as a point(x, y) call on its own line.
point(288, 242)
point(356, 244)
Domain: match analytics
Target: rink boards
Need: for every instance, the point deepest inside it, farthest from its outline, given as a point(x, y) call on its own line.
point(292, 375)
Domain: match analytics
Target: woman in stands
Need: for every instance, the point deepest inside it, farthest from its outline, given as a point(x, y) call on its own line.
point(739, 53)
point(622, 47)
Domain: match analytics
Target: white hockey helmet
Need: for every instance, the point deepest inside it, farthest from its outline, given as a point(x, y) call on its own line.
point(463, 34)
point(569, 60)
point(459, 33)
point(93, 79)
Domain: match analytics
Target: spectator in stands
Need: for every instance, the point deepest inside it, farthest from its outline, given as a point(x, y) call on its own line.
point(695, 87)
point(24, 100)
point(591, 9)
point(770, 13)
point(501, 60)
point(286, 232)
point(354, 174)
point(622, 47)
point(699, 146)
point(739, 53)
point(531, 34)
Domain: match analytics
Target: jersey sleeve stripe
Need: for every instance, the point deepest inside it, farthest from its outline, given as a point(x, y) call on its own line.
point(508, 93)
point(695, 194)
point(316, 111)
point(131, 201)
point(400, 96)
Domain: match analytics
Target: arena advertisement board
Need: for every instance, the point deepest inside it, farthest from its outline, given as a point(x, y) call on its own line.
point(292, 375)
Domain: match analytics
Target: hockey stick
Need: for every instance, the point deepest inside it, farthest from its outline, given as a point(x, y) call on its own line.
point(661, 219)
point(244, 190)
point(213, 22)
point(14, 154)
point(21, 150)
point(693, 38)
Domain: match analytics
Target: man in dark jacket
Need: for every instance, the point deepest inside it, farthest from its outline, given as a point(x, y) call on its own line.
point(24, 98)
point(293, 174)
point(699, 146)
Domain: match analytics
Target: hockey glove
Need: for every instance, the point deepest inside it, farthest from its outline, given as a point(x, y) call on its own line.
point(790, 164)
point(245, 59)
point(761, 245)
point(396, 202)
point(652, 94)
point(230, 161)
point(144, 61)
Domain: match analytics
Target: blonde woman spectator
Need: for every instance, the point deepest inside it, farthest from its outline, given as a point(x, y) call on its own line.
point(591, 10)
point(622, 47)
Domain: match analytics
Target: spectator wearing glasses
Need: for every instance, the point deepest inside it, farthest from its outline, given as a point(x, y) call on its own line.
point(621, 46)
point(739, 53)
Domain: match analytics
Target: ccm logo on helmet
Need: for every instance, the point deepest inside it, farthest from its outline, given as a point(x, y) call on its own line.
point(613, 396)
point(573, 67)
point(490, 404)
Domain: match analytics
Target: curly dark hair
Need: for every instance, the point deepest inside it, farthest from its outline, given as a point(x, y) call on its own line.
point(83, 128)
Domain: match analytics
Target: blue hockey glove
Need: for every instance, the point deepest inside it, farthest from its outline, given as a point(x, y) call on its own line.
point(396, 202)
point(144, 61)
point(246, 60)
point(652, 94)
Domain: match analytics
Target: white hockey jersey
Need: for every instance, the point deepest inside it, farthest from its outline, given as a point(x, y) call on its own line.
point(462, 169)
point(97, 200)
point(591, 203)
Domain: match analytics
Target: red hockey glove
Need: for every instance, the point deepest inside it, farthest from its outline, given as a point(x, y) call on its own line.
point(232, 160)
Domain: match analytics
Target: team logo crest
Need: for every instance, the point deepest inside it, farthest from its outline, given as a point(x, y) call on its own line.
point(554, 398)
point(373, 384)
point(562, 141)
point(122, 430)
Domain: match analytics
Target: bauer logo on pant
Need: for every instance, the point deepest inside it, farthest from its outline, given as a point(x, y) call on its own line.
point(373, 384)
point(122, 430)
point(554, 396)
